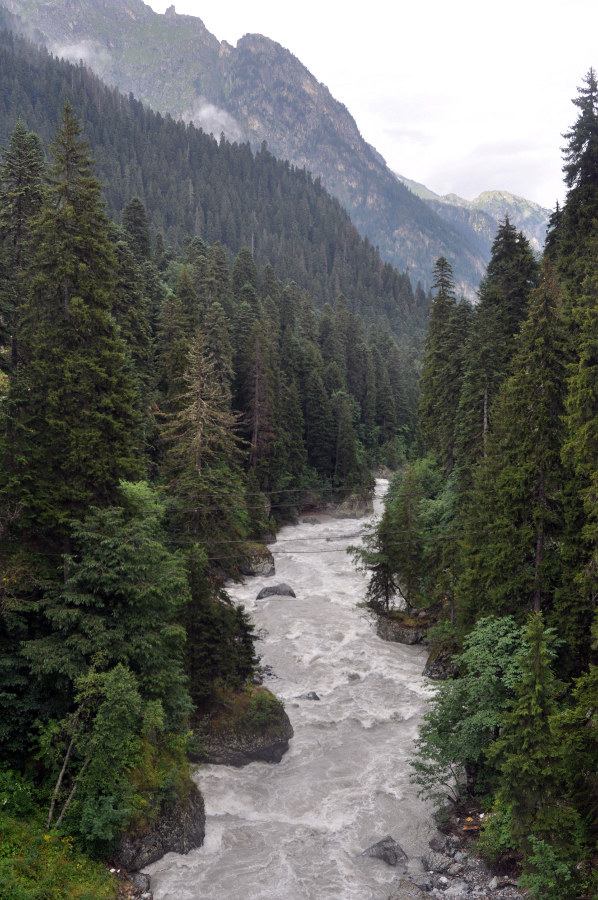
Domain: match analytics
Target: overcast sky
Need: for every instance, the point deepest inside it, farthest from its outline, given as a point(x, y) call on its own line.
point(462, 96)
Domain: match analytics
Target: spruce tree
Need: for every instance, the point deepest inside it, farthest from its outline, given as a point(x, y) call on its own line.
point(514, 515)
point(530, 760)
point(441, 373)
point(135, 224)
point(78, 430)
point(21, 193)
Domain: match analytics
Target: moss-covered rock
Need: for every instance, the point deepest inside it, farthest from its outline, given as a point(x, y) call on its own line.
point(402, 628)
point(256, 560)
point(246, 726)
point(178, 828)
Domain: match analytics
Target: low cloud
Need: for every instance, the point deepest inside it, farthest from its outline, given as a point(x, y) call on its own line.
point(214, 120)
point(93, 55)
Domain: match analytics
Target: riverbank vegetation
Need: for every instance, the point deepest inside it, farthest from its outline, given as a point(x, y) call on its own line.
point(162, 410)
point(494, 525)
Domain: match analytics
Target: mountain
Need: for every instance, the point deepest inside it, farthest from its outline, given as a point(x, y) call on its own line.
point(479, 218)
point(257, 91)
point(192, 184)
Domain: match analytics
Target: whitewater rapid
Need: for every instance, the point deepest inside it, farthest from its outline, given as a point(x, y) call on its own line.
point(295, 830)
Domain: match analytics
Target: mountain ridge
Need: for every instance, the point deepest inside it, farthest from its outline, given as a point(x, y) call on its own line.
point(257, 91)
point(485, 211)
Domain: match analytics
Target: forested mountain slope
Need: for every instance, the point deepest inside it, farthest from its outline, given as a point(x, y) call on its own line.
point(192, 184)
point(257, 91)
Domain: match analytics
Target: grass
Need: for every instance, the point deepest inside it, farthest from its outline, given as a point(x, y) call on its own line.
point(40, 865)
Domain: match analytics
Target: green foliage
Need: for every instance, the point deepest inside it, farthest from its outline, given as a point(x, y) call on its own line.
point(466, 713)
point(548, 877)
point(17, 794)
point(264, 709)
point(120, 603)
point(37, 865)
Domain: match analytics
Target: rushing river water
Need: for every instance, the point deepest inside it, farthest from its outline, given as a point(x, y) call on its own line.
point(295, 830)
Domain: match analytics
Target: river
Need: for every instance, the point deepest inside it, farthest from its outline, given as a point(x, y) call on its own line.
point(295, 830)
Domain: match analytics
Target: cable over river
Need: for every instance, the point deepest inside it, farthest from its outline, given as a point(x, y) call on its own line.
point(295, 830)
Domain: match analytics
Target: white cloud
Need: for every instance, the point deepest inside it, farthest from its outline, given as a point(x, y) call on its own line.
point(214, 120)
point(92, 54)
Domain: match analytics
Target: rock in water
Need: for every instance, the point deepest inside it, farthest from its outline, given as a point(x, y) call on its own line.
point(311, 695)
point(388, 850)
point(276, 590)
point(257, 560)
point(179, 828)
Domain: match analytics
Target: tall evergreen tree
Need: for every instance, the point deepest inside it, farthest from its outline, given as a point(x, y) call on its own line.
point(576, 223)
point(21, 193)
point(76, 393)
point(441, 374)
point(515, 514)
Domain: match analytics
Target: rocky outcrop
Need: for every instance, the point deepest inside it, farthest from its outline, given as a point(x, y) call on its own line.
point(250, 725)
point(257, 560)
point(448, 869)
point(276, 590)
point(440, 664)
point(179, 828)
point(354, 507)
point(238, 748)
point(403, 631)
point(388, 850)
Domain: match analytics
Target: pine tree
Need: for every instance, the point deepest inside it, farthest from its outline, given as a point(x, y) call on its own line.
point(77, 429)
point(528, 755)
point(441, 373)
point(515, 514)
point(576, 221)
point(504, 295)
point(21, 193)
point(135, 224)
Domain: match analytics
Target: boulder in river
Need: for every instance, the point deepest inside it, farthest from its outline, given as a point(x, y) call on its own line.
point(257, 560)
point(388, 850)
point(276, 590)
point(311, 695)
point(353, 507)
point(178, 828)
point(251, 726)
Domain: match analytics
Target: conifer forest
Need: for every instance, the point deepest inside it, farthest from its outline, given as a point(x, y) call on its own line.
point(195, 344)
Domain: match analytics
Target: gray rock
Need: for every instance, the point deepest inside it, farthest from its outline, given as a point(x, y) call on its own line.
point(311, 695)
point(353, 507)
point(455, 869)
point(178, 828)
point(436, 862)
point(141, 881)
point(276, 590)
point(406, 890)
point(392, 630)
point(388, 850)
point(437, 843)
point(257, 560)
point(240, 748)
